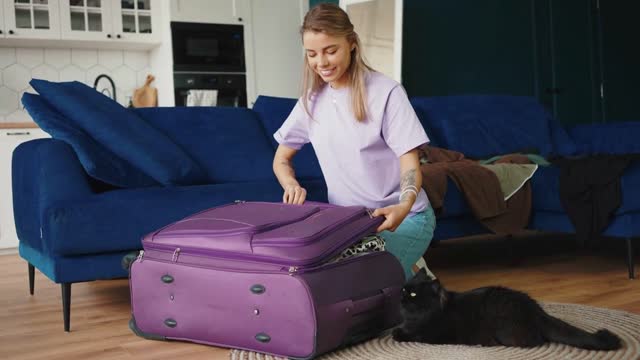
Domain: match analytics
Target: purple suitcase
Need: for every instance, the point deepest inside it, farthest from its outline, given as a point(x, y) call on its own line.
point(257, 276)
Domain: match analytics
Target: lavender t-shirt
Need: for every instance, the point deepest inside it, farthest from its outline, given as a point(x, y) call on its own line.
point(359, 160)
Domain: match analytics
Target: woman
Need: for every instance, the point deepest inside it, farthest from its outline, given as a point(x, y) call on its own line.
point(364, 132)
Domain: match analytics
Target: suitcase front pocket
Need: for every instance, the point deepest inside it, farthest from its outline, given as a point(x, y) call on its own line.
point(238, 219)
point(310, 229)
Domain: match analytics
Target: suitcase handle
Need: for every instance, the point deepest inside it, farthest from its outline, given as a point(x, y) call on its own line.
point(370, 303)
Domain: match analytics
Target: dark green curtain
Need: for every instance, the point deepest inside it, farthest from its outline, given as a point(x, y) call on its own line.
point(560, 52)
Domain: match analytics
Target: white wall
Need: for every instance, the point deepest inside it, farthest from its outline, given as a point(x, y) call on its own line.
point(374, 23)
point(127, 68)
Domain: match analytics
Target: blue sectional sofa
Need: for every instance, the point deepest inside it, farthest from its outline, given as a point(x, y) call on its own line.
point(81, 203)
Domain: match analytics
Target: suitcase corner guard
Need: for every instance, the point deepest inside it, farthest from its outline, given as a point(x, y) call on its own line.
point(134, 327)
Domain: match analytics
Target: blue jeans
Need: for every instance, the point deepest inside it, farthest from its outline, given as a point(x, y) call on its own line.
point(411, 239)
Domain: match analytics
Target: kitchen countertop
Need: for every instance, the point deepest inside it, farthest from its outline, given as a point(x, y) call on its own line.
point(18, 125)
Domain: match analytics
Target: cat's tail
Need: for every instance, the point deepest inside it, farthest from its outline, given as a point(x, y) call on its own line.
point(556, 330)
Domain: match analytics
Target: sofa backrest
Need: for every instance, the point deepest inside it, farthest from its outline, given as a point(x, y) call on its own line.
point(598, 138)
point(273, 111)
point(229, 143)
point(481, 126)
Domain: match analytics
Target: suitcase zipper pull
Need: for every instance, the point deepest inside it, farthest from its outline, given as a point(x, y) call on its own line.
point(174, 258)
point(370, 213)
point(140, 255)
point(292, 270)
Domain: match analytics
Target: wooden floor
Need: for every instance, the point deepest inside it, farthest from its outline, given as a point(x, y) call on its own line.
point(548, 268)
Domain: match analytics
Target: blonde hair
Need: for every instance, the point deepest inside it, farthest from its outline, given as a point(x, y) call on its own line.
point(330, 19)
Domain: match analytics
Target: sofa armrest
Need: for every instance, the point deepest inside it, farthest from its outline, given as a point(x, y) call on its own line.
point(615, 138)
point(44, 172)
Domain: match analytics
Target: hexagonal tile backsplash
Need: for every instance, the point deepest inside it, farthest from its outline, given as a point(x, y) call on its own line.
point(18, 66)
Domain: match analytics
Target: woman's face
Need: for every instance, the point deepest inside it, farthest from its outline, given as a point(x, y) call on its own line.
point(329, 56)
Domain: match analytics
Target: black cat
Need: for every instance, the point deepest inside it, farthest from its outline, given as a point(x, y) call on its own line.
point(488, 316)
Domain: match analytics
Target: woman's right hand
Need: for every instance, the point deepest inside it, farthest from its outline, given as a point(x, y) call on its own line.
point(294, 194)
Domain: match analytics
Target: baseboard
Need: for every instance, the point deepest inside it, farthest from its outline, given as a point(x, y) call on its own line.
point(9, 251)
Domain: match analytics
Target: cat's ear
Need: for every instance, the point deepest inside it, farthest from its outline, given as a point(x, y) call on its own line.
point(421, 275)
point(436, 286)
point(440, 290)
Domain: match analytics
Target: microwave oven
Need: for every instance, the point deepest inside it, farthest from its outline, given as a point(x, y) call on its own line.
point(199, 47)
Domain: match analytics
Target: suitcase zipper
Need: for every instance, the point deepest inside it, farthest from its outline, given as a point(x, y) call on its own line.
point(176, 253)
point(293, 270)
point(312, 262)
point(290, 270)
point(336, 249)
point(153, 255)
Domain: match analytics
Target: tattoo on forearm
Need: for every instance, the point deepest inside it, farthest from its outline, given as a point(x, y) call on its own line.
point(408, 186)
point(408, 179)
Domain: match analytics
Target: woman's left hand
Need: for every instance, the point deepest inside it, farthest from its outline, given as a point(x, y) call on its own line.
point(394, 215)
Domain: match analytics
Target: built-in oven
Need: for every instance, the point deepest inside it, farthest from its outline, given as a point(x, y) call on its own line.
point(207, 47)
point(209, 89)
point(208, 64)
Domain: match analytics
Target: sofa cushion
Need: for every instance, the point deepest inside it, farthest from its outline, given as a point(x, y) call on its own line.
point(595, 139)
point(457, 226)
point(546, 190)
point(425, 108)
point(117, 220)
point(273, 111)
point(454, 203)
point(563, 144)
point(229, 143)
point(483, 126)
point(96, 160)
point(121, 131)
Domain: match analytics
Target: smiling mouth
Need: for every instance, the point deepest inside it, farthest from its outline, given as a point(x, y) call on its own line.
point(327, 72)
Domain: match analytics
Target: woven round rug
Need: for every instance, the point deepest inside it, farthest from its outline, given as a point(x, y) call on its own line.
point(625, 325)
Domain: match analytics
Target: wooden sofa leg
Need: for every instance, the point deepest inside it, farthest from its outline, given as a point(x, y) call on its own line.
point(630, 257)
point(66, 304)
point(32, 275)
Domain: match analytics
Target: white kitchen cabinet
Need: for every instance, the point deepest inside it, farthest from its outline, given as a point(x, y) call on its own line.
point(109, 24)
point(32, 19)
point(110, 20)
point(208, 11)
point(136, 20)
point(86, 19)
point(9, 140)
